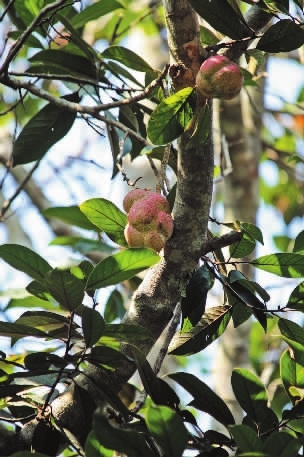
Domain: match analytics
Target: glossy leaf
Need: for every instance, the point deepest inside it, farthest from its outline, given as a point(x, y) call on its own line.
point(246, 439)
point(296, 298)
point(127, 57)
point(209, 328)
point(283, 36)
point(204, 398)
point(71, 215)
point(24, 259)
point(121, 266)
point(107, 217)
point(114, 307)
point(45, 129)
point(168, 429)
point(66, 288)
point(92, 325)
point(222, 17)
point(287, 265)
point(170, 118)
point(120, 439)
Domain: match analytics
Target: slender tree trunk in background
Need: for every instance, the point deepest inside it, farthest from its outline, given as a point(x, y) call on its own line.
point(241, 121)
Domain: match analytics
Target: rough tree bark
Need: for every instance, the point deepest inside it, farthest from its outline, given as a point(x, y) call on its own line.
point(154, 302)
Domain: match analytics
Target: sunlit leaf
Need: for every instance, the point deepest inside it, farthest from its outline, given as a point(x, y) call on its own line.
point(107, 217)
point(209, 328)
point(170, 118)
point(121, 266)
point(287, 265)
point(168, 429)
point(71, 215)
point(24, 259)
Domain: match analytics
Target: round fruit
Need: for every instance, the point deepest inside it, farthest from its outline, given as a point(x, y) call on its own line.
point(159, 201)
point(133, 196)
point(134, 238)
point(219, 77)
point(143, 215)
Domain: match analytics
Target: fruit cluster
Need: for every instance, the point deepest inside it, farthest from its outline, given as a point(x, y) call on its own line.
point(219, 77)
point(150, 224)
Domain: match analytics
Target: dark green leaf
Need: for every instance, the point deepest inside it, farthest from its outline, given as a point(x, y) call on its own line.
point(252, 396)
point(69, 63)
point(291, 330)
point(210, 327)
point(17, 331)
point(170, 118)
point(122, 440)
point(283, 36)
point(92, 326)
point(160, 392)
point(83, 245)
point(105, 355)
point(114, 307)
point(201, 129)
point(43, 361)
point(299, 242)
point(94, 449)
point(193, 304)
point(45, 129)
point(71, 215)
point(127, 58)
point(282, 444)
point(292, 374)
point(282, 264)
point(66, 288)
point(168, 429)
point(126, 332)
point(95, 11)
point(246, 439)
point(107, 217)
point(24, 259)
point(222, 17)
point(204, 397)
point(121, 266)
point(44, 320)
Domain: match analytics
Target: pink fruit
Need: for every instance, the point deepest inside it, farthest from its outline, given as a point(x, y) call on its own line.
point(219, 77)
point(134, 238)
point(143, 215)
point(159, 201)
point(133, 196)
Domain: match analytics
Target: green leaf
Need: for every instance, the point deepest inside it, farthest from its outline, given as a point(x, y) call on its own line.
point(299, 242)
point(283, 36)
point(114, 307)
point(296, 299)
point(45, 129)
point(127, 58)
point(204, 397)
point(121, 267)
point(122, 440)
point(95, 11)
point(170, 117)
point(210, 327)
point(126, 332)
point(291, 330)
point(94, 449)
point(43, 361)
point(83, 245)
point(17, 331)
point(246, 439)
point(160, 392)
point(282, 444)
point(66, 63)
point(201, 129)
point(92, 325)
point(222, 17)
point(66, 288)
point(251, 395)
point(292, 375)
point(71, 215)
point(105, 355)
point(287, 265)
point(168, 429)
point(107, 217)
point(24, 259)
